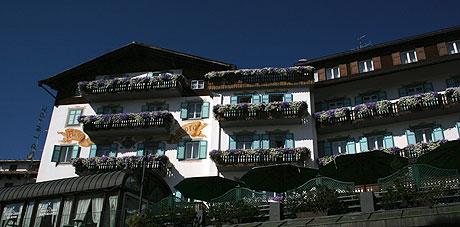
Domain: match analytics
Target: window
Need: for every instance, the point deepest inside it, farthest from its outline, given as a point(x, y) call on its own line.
point(72, 117)
point(453, 47)
point(197, 84)
point(408, 57)
point(11, 214)
point(194, 110)
point(276, 97)
point(244, 99)
point(335, 104)
point(370, 98)
point(366, 66)
point(453, 82)
point(424, 134)
point(277, 141)
point(244, 142)
point(153, 148)
point(63, 154)
point(332, 73)
point(13, 168)
point(415, 90)
point(190, 150)
point(108, 150)
point(154, 107)
point(110, 110)
point(315, 76)
point(375, 142)
point(339, 147)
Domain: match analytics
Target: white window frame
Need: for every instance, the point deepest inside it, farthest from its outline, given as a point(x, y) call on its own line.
point(197, 84)
point(330, 73)
point(65, 154)
point(192, 150)
point(194, 114)
point(374, 141)
point(368, 66)
point(339, 147)
point(315, 76)
point(407, 55)
point(455, 47)
point(423, 135)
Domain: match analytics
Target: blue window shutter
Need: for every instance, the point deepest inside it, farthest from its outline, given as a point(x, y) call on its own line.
point(92, 151)
point(266, 98)
point(358, 100)
point(232, 142)
point(458, 128)
point(382, 95)
point(428, 87)
point(203, 149)
point(255, 141)
point(450, 82)
point(56, 153)
point(388, 140)
point(288, 97)
point(324, 106)
point(327, 149)
point(265, 141)
point(402, 92)
point(165, 107)
point(113, 150)
point(161, 148)
point(256, 99)
point(119, 109)
point(75, 151)
point(289, 140)
point(363, 143)
point(233, 99)
point(145, 108)
point(438, 133)
point(100, 111)
point(181, 150)
point(347, 103)
point(177, 193)
point(183, 110)
point(205, 110)
point(140, 149)
point(410, 136)
point(351, 146)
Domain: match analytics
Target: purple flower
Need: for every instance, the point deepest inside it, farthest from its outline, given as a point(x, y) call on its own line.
point(277, 198)
point(106, 117)
point(124, 116)
point(284, 104)
point(317, 114)
point(215, 153)
point(82, 83)
point(92, 118)
point(330, 113)
point(243, 106)
point(371, 105)
point(164, 76)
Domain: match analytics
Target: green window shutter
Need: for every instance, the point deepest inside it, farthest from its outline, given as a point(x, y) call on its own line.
point(410, 136)
point(363, 143)
point(458, 128)
point(288, 97)
point(438, 133)
point(255, 141)
point(232, 142)
point(161, 148)
point(324, 106)
point(327, 149)
point(113, 150)
point(428, 87)
point(140, 149)
point(145, 108)
point(56, 154)
point(402, 92)
point(183, 110)
point(265, 141)
point(382, 95)
point(205, 110)
point(100, 111)
point(181, 150)
point(388, 140)
point(233, 99)
point(256, 99)
point(351, 146)
point(71, 117)
point(358, 100)
point(92, 151)
point(165, 107)
point(289, 143)
point(347, 103)
point(266, 98)
point(203, 149)
point(119, 109)
point(75, 151)
point(451, 82)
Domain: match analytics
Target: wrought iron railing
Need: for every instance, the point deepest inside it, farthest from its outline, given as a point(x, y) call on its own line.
point(129, 123)
point(258, 159)
point(140, 86)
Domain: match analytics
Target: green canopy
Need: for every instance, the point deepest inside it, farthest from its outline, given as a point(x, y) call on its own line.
point(278, 178)
point(205, 188)
point(446, 156)
point(363, 168)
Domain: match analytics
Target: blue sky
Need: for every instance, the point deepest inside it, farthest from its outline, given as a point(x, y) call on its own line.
point(41, 38)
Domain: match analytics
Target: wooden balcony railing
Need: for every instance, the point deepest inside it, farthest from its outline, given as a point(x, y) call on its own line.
point(260, 158)
point(127, 87)
point(129, 123)
point(260, 81)
point(251, 115)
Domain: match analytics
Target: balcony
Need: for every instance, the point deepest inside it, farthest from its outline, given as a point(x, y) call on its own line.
point(88, 166)
point(386, 112)
point(241, 159)
point(257, 114)
point(265, 77)
point(127, 124)
point(117, 89)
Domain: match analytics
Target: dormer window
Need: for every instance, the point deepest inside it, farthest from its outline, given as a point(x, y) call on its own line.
point(332, 73)
point(453, 47)
point(408, 57)
point(197, 84)
point(366, 66)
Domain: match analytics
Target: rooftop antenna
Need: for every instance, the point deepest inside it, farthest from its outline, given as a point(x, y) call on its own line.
point(361, 44)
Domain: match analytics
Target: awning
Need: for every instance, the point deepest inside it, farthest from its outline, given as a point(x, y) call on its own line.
point(105, 181)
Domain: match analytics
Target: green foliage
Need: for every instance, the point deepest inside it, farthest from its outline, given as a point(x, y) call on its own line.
point(185, 217)
point(241, 211)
